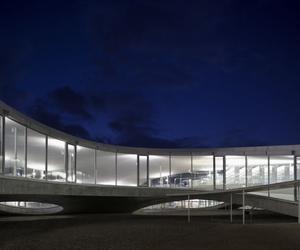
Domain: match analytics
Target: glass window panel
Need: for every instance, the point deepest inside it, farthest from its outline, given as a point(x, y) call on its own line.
point(36, 155)
point(143, 171)
point(219, 172)
point(14, 148)
point(159, 170)
point(180, 171)
point(1, 143)
point(257, 170)
point(56, 170)
point(235, 171)
point(203, 174)
point(127, 170)
point(298, 167)
point(85, 170)
point(281, 168)
point(284, 194)
point(106, 168)
point(71, 163)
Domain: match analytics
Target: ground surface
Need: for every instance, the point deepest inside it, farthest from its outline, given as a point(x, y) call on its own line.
point(133, 232)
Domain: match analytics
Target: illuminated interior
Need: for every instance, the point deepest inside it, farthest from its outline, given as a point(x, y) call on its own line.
point(28, 152)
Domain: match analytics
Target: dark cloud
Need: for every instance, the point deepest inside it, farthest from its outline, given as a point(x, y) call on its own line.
point(39, 112)
point(68, 100)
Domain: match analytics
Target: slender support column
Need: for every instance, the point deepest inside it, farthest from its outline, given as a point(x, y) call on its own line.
point(246, 170)
point(75, 162)
point(46, 161)
point(116, 169)
point(295, 176)
point(170, 171)
point(95, 166)
point(268, 175)
point(3, 144)
point(243, 206)
point(26, 151)
point(148, 182)
point(214, 172)
point(138, 170)
point(224, 172)
point(192, 171)
point(230, 207)
point(189, 212)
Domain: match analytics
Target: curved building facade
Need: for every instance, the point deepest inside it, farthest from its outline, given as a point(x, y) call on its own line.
point(32, 151)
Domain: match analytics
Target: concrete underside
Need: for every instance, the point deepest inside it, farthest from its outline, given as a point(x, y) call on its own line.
point(76, 198)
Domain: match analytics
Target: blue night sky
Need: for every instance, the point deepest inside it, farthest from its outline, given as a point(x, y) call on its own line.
point(156, 73)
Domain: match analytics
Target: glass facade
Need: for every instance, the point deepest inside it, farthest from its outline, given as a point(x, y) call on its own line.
point(159, 170)
point(203, 172)
point(30, 153)
point(71, 163)
point(85, 168)
point(14, 148)
point(127, 170)
point(235, 171)
point(298, 167)
point(56, 170)
point(181, 171)
point(143, 171)
point(281, 168)
point(219, 162)
point(106, 167)
point(257, 170)
point(36, 155)
point(1, 143)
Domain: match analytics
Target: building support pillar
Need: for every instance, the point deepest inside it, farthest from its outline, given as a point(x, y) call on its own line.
point(189, 212)
point(243, 206)
point(230, 207)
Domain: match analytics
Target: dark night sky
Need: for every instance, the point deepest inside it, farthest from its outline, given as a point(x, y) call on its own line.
point(156, 73)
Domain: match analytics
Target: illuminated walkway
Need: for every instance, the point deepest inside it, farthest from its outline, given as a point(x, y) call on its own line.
point(40, 164)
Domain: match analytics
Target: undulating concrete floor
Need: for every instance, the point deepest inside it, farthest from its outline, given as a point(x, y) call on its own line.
point(135, 232)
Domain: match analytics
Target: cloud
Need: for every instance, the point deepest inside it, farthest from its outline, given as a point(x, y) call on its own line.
point(66, 99)
point(39, 112)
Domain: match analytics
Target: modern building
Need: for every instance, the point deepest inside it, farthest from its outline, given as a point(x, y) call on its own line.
point(40, 166)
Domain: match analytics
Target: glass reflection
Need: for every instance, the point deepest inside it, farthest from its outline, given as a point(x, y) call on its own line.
point(219, 162)
point(281, 168)
point(14, 148)
point(298, 167)
point(106, 167)
point(36, 155)
point(257, 170)
point(159, 170)
point(56, 160)
point(127, 170)
point(85, 168)
point(202, 176)
point(71, 163)
point(1, 143)
point(180, 171)
point(143, 181)
point(235, 171)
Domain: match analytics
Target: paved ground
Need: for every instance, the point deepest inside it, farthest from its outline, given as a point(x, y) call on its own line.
point(133, 232)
